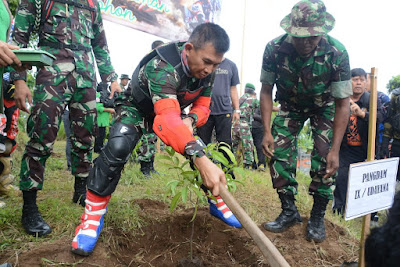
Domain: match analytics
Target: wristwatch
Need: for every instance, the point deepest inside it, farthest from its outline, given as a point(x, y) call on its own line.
point(193, 116)
point(237, 111)
point(195, 149)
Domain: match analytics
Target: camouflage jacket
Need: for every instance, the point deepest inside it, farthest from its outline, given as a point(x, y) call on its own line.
point(311, 83)
point(248, 105)
point(68, 25)
point(394, 109)
point(162, 80)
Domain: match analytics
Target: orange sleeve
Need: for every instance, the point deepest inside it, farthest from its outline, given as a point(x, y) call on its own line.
point(169, 126)
point(201, 108)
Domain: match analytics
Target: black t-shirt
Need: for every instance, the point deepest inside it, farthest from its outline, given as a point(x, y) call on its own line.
point(226, 76)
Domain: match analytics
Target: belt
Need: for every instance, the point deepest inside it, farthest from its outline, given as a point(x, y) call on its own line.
point(74, 47)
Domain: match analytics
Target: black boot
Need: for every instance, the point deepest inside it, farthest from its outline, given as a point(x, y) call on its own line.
point(80, 191)
point(152, 170)
point(32, 221)
point(247, 166)
point(145, 168)
point(315, 225)
point(288, 217)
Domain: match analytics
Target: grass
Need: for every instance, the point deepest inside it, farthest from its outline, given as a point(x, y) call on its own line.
point(256, 196)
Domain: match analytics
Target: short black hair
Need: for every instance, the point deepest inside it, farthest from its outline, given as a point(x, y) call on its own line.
point(210, 33)
point(358, 72)
point(156, 44)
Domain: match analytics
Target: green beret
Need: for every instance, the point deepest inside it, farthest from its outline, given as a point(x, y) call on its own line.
point(124, 76)
point(250, 87)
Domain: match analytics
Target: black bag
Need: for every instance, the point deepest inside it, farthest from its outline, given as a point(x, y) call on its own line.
point(105, 95)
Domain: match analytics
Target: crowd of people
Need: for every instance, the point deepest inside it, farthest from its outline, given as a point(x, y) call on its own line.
point(180, 90)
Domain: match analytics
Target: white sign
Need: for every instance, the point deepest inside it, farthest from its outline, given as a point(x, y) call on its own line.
point(371, 187)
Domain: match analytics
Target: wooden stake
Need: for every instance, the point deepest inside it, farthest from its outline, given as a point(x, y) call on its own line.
point(371, 156)
point(270, 252)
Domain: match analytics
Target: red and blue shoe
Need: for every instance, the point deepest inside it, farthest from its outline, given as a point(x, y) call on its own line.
point(92, 221)
point(220, 210)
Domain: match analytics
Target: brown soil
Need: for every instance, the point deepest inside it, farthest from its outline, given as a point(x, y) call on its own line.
point(165, 242)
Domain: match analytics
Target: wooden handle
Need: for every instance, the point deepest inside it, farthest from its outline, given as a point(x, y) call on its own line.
point(270, 252)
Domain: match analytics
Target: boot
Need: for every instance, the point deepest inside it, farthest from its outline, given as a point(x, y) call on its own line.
point(254, 165)
point(80, 191)
point(315, 225)
point(288, 217)
point(246, 166)
point(92, 221)
point(152, 170)
point(32, 221)
point(220, 210)
point(145, 168)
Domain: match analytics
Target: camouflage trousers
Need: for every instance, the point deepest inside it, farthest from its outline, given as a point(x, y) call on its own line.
point(52, 94)
point(128, 114)
point(241, 133)
point(285, 129)
point(147, 150)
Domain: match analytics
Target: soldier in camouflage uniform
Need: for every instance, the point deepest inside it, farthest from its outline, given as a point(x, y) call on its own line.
point(241, 131)
point(146, 154)
point(167, 80)
point(312, 74)
point(71, 32)
point(392, 129)
point(147, 149)
point(124, 80)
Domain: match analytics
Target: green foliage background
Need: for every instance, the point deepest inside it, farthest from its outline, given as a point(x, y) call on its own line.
point(393, 83)
point(13, 4)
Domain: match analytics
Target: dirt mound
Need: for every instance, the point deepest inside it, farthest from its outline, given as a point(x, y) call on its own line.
point(165, 241)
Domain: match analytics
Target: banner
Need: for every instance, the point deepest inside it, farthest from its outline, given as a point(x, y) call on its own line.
point(170, 19)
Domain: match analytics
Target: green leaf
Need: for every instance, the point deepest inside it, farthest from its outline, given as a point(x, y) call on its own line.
point(229, 153)
point(194, 213)
point(199, 192)
point(218, 156)
point(174, 201)
point(172, 185)
point(170, 151)
point(185, 163)
point(169, 158)
point(232, 187)
point(189, 174)
point(237, 181)
point(184, 194)
point(176, 161)
point(176, 167)
point(211, 147)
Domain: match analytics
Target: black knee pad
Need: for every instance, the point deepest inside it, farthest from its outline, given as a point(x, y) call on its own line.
point(106, 172)
point(122, 140)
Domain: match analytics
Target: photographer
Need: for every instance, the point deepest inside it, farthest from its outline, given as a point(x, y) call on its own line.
point(104, 106)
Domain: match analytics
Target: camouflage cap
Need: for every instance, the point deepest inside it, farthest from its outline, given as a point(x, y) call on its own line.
point(250, 88)
point(124, 76)
point(308, 18)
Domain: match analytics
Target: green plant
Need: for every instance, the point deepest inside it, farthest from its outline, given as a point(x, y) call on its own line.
point(190, 182)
